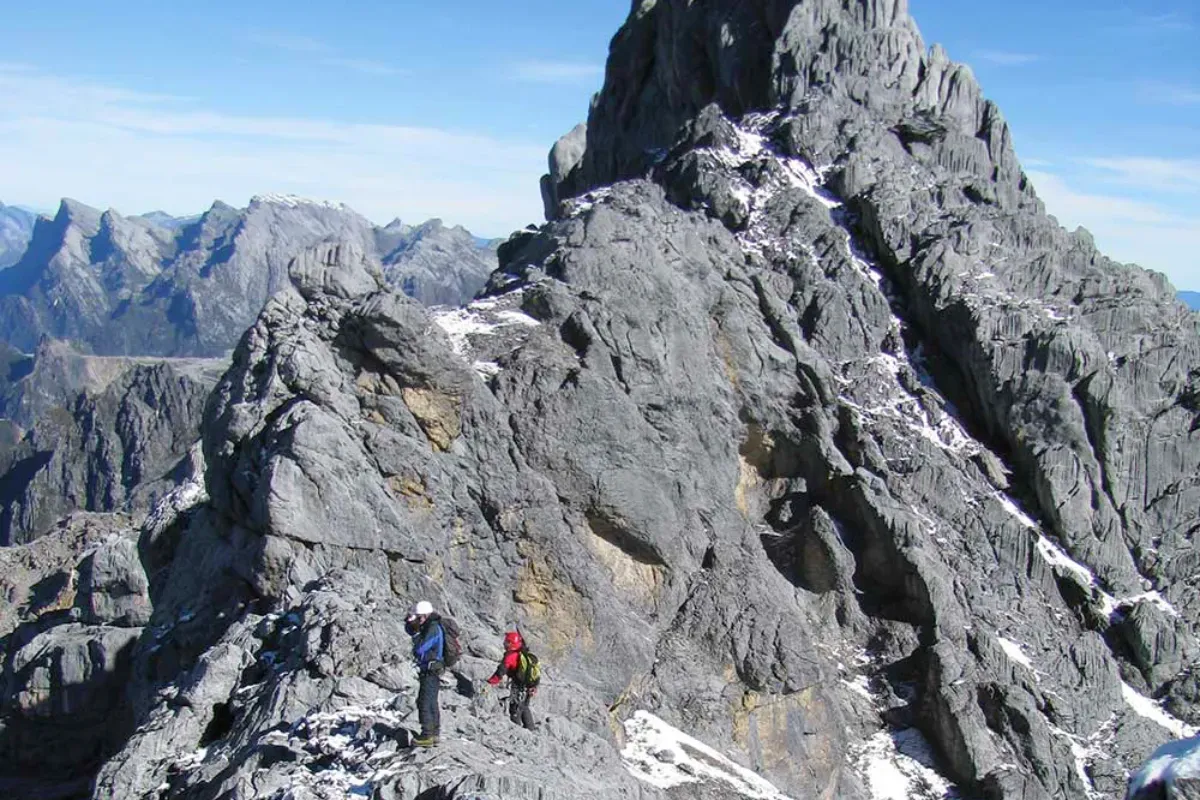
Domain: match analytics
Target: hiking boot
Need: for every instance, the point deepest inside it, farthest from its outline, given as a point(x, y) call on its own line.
point(425, 740)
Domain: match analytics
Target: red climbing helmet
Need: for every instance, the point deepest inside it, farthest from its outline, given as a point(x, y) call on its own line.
point(513, 642)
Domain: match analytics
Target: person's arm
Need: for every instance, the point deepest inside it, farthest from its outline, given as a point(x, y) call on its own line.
point(497, 675)
point(430, 648)
point(507, 666)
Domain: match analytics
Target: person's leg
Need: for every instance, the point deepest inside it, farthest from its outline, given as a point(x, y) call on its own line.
point(514, 704)
point(526, 714)
point(427, 705)
point(436, 716)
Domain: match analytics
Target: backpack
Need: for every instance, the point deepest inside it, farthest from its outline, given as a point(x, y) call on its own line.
point(529, 671)
point(451, 647)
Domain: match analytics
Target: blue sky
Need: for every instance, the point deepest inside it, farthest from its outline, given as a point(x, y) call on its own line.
point(405, 109)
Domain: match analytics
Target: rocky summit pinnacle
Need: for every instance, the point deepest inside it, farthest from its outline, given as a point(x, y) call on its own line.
point(811, 457)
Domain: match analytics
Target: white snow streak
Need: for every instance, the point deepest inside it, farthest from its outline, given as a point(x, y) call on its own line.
point(1060, 561)
point(1086, 751)
point(666, 757)
point(1111, 604)
point(517, 318)
point(460, 324)
point(486, 369)
point(860, 685)
point(478, 319)
point(1013, 650)
point(1055, 556)
point(938, 428)
point(900, 766)
point(1145, 707)
point(586, 201)
point(1012, 509)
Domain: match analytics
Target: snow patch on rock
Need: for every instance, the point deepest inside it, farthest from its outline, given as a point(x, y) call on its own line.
point(481, 318)
point(1061, 563)
point(1014, 651)
point(899, 765)
point(296, 201)
point(1149, 709)
point(665, 757)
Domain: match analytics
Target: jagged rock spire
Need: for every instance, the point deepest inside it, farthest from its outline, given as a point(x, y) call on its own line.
point(840, 65)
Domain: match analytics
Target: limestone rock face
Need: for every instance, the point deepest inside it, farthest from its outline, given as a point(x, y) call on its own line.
point(104, 434)
point(75, 604)
point(809, 455)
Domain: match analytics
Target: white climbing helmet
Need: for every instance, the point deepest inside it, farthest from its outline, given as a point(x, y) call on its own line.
point(423, 609)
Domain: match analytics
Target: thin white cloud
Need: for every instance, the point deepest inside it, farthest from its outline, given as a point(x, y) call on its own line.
point(1128, 230)
point(1170, 94)
point(326, 54)
point(1170, 22)
point(111, 147)
point(1159, 174)
point(1007, 58)
point(365, 66)
point(294, 43)
point(561, 72)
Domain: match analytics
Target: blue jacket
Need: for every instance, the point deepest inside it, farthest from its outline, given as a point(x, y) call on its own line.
point(428, 644)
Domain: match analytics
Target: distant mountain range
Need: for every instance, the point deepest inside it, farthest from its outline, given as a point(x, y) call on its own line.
point(16, 226)
point(160, 285)
point(1192, 299)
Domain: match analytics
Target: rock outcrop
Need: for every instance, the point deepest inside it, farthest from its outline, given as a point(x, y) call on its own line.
point(75, 605)
point(149, 286)
point(810, 455)
point(94, 433)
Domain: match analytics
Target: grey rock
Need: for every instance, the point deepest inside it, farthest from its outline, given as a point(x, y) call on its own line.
point(565, 157)
point(63, 667)
point(113, 589)
point(800, 427)
point(190, 287)
point(106, 434)
point(40, 578)
point(340, 270)
point(434, 263)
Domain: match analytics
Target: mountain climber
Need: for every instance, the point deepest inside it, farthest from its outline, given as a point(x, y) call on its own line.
point(425, 628)
point(524, 674)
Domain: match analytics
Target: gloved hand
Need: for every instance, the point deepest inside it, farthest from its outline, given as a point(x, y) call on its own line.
point(437, 667)
point(532, 691)
point(484, 687)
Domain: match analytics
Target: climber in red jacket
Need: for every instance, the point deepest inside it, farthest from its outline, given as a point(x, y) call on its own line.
point(524, 674)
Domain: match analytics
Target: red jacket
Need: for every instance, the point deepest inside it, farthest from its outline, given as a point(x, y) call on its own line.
point(508, 667)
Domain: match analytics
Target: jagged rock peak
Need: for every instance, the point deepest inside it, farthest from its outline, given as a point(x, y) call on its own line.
point(79, 215)
point(810, 57)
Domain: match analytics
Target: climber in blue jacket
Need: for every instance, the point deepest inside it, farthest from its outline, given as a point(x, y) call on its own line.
point(425, 628)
